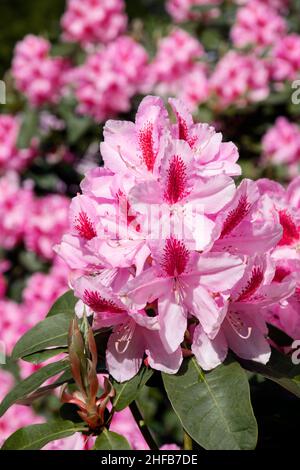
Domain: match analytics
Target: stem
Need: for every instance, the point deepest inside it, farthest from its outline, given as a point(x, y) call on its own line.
point(142, 426)
point(187, 441)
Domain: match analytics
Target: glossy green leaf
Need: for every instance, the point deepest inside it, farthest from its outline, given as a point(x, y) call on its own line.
point(64, 305)
point(280, 369)
point(111, 441)
point(42, 356)
point(51, 332)
point(31, 384)
point(38, 435)
point(214, 407)
point(128, 391)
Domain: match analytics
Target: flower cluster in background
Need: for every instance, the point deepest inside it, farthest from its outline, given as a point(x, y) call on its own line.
point(232, 64)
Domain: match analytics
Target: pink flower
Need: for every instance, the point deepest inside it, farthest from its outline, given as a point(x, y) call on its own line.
point(46, 224)
point(203, 260)
point(93, 21)
point(175, 71)
point(249, 224)
point(15, 207)
point(287, 205)
point(176, 56)
point(12, 158)
point(183, 283)
point(123, 423)
point(12, 323)
point(285, 315)
point(76, 442)
point(279, 5)
point(244, 329)
point(134, 332)
point(281, 143)
point(285, 61)
point(182, 10)
point(122, 67)
point(257, 24)
point(239, 79)
point(36, 74)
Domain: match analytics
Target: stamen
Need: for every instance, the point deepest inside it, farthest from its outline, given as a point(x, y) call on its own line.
point(238, 325)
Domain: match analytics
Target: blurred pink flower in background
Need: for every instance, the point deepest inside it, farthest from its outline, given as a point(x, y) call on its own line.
point(12, 158)
point(47, 222)
point(36, 74)
point(257, 24)
point(42, 290)
point(285, 58)
point(17, 416)
point(185, 10)
point(175, 57)
point(15, 205)
point(281, 145)
point(176, 69)
point(122, 68)
point(93, 21)
point(240, 79)
point(12, 323)
point(280, 5)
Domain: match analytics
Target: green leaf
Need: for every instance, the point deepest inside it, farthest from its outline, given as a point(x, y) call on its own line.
point(127, 392)
point(42, 356)
point(36, 436)
point(111, 441)
point(29, 385)
point(280, 369)
point(29, 128)
point(213, 407)
point(64, 305)
point(51, 332)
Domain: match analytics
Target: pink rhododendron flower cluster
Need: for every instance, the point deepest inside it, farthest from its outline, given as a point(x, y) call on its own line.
point(285, 63)
point(279, 5)
point(186, 10)
point(281, 144)
point(38, 221)
point(122, 67)
point(202, 263)
point(15, 204)
point(36, 74)
point(257, 24)
point(176, 69)
point(17, 416)
point(12, 158)
point(40, 293)
point(240, 79)
point(286, 313)
point(46, 224)
point(93, 21)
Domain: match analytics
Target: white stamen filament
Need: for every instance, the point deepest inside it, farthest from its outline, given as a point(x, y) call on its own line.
point(123, 342)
